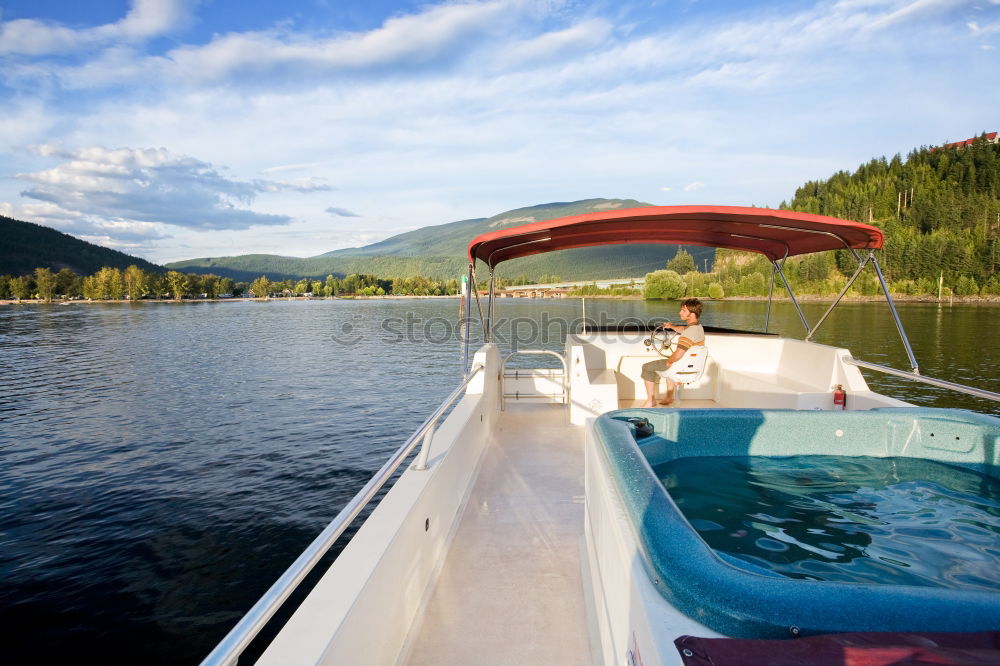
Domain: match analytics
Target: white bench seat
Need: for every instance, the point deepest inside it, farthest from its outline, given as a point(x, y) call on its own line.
point(759, 389)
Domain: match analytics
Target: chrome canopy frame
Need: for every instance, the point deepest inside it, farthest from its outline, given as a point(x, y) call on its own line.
point(777, 268)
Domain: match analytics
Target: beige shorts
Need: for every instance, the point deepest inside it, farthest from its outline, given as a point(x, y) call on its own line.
point(650, 370)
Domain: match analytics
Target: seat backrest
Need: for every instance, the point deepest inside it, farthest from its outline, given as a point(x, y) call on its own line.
point(691, 366)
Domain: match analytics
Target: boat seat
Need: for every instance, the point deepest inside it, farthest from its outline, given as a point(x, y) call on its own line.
point(772, 390)
point(689, 370)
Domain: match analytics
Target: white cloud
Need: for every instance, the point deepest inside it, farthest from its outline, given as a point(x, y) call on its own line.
point(146, 19)
point(691, 187)
point(912, 10)
point(115, 65)
point(586, 35)
point(341, 212)
point(404, 41)
point(983, 30)
point(291, 167)
point(303, 185)
point(36, 37)
point(131, 189)
point(149, 18)
point(500, 38)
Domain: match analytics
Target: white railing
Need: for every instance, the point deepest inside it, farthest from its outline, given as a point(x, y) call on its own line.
point(563, 394)
point(227, 652)
point(940, 383)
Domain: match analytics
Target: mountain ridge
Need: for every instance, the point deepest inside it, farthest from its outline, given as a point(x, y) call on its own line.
point(438, 251)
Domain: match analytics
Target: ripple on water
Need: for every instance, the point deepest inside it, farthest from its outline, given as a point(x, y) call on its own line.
point(162, 464)
point(895, 520)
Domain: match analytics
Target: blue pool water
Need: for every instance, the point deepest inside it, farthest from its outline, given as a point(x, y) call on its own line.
point(893, 521)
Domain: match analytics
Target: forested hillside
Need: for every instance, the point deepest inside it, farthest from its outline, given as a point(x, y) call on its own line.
point(25, 246)
point(940, 210)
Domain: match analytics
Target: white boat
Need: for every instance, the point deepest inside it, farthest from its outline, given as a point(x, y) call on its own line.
point(530, 527)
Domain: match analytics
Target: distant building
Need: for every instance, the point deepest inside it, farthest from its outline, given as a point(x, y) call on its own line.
point(990, 138)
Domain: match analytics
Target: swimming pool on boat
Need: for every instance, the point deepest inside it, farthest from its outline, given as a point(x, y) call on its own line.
point(757, 521)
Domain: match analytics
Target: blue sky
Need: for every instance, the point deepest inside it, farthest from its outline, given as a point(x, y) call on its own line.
point(172, 129)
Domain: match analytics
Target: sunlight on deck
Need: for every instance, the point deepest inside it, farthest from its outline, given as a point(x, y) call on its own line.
point(511, 585)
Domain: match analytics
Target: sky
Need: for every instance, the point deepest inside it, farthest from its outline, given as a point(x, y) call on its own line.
point(174, 129)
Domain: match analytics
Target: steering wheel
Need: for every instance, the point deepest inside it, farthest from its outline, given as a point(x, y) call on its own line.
point(663, 340)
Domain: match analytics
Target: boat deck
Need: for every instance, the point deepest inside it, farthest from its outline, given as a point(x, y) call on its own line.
point(511, 585)
point(685, 403)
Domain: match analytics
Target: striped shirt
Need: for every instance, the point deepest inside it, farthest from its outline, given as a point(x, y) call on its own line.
point(692, 335)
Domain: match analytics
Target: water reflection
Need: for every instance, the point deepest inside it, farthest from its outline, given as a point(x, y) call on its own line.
point(161, 464)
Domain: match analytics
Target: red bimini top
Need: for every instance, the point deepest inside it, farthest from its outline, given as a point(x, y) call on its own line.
point(773, 233)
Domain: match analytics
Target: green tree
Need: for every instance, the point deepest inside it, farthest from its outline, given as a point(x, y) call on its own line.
point(992, 286)
point(135, 282)
point(682, 263)
point(211, 285)
point(68, 283)
point(193, 284)
point(45, 284)
point(115, 284)
point(157, 284)
point(176, 284)
point(716, 291)
point(261, 287)
point(753, 284)
point(91, 288)
point(815, 267)
point(664, 284)
point(966, 286)
point(110, 283)
point(227, 286)
point(20, 287)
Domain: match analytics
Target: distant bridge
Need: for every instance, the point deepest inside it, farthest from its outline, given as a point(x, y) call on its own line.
point(560, 289)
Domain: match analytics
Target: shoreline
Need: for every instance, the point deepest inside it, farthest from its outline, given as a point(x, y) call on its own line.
point(810, 298)
point(814, 298)
point(90, 301)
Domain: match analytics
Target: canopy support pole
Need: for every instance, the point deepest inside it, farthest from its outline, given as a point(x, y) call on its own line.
point(861, 265)
point(469, 286)
point(770, 296)
point(791, 294)
point(489, 305)
point(895, 315)
point(482, 317)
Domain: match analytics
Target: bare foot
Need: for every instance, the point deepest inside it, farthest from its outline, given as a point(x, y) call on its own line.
point(648, 403)
point(667, 402)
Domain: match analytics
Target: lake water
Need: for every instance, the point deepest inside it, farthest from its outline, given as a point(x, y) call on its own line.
point(161, 464)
